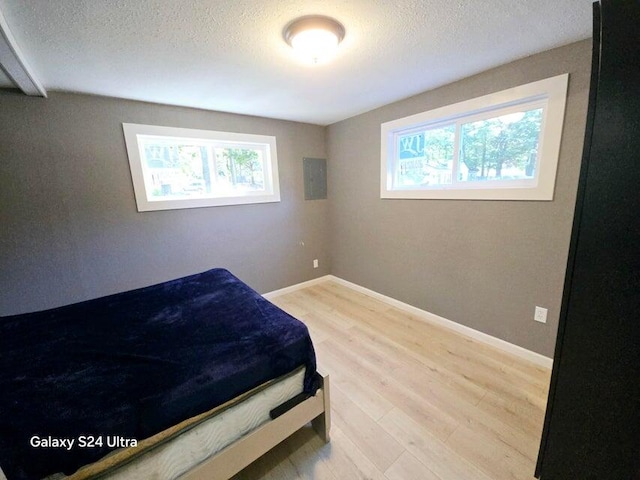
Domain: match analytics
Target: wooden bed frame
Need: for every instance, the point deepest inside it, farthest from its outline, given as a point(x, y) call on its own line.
point(239, 454)
point(233, 458)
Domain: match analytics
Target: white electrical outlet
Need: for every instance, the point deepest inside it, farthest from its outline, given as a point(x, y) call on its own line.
point(315, 263)
point(540, 315)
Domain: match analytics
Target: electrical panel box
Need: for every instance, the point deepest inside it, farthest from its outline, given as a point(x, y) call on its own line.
point(315, 178)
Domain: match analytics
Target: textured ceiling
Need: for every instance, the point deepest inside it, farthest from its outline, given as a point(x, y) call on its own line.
point(229, 54)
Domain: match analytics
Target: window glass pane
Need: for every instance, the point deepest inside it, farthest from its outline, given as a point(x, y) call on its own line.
point(500, 148)
point(175, 169)
point(426, 158)
point(239, 170)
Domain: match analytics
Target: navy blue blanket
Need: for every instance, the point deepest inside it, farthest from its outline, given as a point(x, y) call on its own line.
point(133, 364)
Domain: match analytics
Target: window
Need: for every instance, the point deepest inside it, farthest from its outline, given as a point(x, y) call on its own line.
point(502, 146)
point(185, 168)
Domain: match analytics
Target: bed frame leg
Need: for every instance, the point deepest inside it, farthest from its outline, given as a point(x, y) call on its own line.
point(322, 423)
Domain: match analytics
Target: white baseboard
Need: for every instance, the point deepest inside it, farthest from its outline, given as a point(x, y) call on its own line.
point(297, 286)
point(432, 318)
point(429, 317)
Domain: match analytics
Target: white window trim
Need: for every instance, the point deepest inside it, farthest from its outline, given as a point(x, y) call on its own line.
point(134, 150)
point(551, 91)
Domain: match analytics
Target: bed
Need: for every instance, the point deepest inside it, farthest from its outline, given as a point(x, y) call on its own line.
point(192, 378)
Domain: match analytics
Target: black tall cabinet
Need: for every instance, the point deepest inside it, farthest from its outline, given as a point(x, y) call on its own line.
point(592, 424)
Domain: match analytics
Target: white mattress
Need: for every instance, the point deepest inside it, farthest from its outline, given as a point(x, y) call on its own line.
point(176, 457)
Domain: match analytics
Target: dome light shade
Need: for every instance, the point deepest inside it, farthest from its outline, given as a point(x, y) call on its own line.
point(315, 38)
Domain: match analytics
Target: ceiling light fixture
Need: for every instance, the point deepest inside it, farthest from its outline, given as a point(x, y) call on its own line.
point(314, 37)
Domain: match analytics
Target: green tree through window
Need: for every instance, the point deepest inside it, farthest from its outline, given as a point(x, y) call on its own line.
point(490, 146)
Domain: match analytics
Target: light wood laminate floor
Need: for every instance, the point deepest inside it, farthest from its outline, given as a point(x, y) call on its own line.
point(409, 400)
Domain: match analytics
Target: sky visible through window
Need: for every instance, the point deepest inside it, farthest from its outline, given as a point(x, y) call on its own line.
point(497, 148)
point(178, 170)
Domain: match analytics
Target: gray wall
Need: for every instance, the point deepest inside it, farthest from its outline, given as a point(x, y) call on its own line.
point(484, 264)
point(69, 228)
